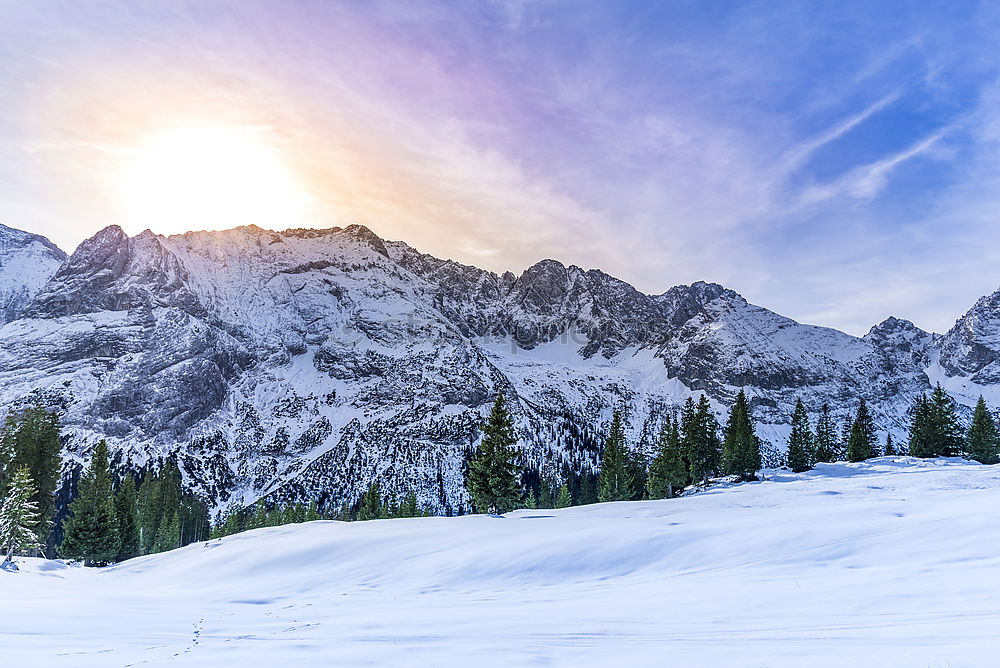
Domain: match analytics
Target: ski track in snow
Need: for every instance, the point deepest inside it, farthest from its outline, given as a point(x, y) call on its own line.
point(893, 562)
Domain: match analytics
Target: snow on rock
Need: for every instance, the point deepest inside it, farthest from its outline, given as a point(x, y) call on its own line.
point(27, 262)
point(889, 563)
point(306, 364)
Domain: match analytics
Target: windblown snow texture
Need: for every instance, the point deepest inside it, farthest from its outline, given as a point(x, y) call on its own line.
point(308, 363)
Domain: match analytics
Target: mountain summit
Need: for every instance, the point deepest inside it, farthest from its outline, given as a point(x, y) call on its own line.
point(309, 363)
point(27, 262)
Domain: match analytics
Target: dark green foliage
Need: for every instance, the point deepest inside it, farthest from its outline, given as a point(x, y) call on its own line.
point(168, 535)
point(161, 497)
point(826, 437)
point(617, 471)
point(890, 447)
point(493, 471)
point(588, 488)
point(126, 511)
point(741, 447)
point(982, 443)
point(861, 443)
point(700, 435)
point(409, 508)
point(668, 472)
point(801, 442)
point(935, 430)
point(30, 439)
point(564, 500)
point(370, 507)
point(91, 529)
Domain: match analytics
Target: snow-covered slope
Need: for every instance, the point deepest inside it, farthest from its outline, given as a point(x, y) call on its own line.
point(27, 262)
point(307, 363)
point(890, 563)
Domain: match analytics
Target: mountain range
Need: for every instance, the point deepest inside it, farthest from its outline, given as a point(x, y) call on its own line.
point(306, 364)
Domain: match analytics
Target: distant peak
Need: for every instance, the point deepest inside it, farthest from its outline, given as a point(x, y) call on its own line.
point(362, 233)
point(13, 237)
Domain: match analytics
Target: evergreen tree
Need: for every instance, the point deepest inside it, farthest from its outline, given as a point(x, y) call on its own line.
point(935, 430)
point(128, 520)
point(918, 444)
point(983, 439)
point(409, 506)
point(890, 446)
point(588, 488)
point(91, 529)
point(826, 436)
point(312, 512)
point(493, 471)
point(19, 519)
point(741, 447)
point(370, 507)
point(168, 535)
point(564, 500)
point(861, 442)
point(801, 442)
point(150, 511)
point(617, 474)
point(700, 433)
point(31, 439)
point(545, 499)
point(668, 472)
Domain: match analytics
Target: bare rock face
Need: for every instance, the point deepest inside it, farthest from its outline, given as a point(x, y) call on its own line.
point(307, 363)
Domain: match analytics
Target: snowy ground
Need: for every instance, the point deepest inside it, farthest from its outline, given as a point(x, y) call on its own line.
point(889, 563)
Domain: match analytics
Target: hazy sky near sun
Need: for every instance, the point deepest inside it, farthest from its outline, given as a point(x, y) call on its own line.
point(837, 162)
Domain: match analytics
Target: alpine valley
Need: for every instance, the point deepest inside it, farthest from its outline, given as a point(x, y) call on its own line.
point(307, 364)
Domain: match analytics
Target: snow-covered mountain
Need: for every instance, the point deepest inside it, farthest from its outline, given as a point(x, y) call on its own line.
point(27, 262)
point(307, 363)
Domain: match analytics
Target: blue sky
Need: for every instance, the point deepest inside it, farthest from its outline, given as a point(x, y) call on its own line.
point(836, 162)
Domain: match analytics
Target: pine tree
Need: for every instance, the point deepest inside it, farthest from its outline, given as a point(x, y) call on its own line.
point(31, 437)
point(801, 442)
point(150, 511)
point(668, 472)
point(370, 507)
point(890, 447)
point(617, 475)
point(918, 444)
point(408, 508)
point(312, 513)
point(564, 500)
point(493, 479)
point(983, 438)
point(741, 447)
point(168, 535)
point(700, 434)
point(935, 430)
point(588, 488)
point(19, 519)
point(826, 436)
point(91, 529)
point(861, 442)
point(128, 520)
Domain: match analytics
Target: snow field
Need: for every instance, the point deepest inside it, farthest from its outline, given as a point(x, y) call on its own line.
point(892, 562)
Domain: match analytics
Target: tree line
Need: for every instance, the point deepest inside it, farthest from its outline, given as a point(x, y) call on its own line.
point(112, 520)
point(692, 447)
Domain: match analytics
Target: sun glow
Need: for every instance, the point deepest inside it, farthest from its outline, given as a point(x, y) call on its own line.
point(205, 178)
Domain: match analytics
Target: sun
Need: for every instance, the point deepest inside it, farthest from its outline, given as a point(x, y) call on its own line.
point(210, 178)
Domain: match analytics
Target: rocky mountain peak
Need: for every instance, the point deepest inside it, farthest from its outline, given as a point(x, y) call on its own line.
point(27, 262)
